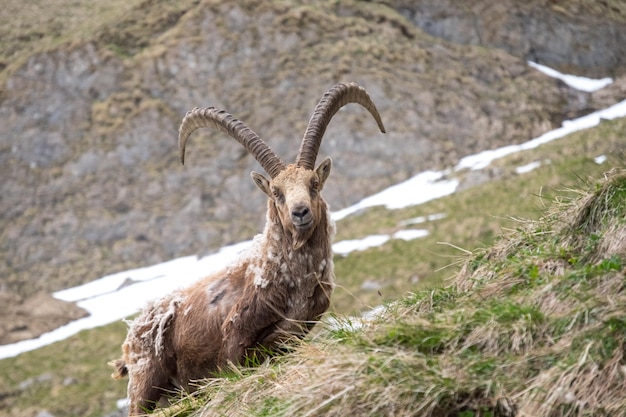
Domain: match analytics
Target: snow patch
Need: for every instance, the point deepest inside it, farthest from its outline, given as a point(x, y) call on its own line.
point(483, 159)
point(422, 219)
point(347, 246)
point(599, 159)
point(410, 234)
point(528, 167)
point(423, 187)
point(580, 83)
point(351, 323)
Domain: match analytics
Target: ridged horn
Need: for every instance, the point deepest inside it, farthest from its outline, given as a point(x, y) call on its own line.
point(221, 120)
point(330, 103)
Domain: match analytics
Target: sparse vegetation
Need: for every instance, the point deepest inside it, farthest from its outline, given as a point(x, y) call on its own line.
point(69, 378)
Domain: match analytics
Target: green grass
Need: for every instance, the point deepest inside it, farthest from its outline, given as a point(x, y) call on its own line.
point(68, 378)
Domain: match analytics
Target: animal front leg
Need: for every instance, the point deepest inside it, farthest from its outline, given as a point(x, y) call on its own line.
point(145, 389)
point(237, 340)
point(245, 328)
point(283, 331)
point(233, 351)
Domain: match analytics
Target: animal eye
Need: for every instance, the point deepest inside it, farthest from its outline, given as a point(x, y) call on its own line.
point(314, 187)
point(277, 194)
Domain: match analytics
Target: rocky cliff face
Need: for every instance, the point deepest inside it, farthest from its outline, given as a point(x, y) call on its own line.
point(91, 182)
point(585, 37)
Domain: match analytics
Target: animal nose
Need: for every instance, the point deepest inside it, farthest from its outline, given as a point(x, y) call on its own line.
point(301, 214)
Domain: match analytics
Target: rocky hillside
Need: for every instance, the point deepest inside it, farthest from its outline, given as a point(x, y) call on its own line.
point(91, 98)
point(585, 37)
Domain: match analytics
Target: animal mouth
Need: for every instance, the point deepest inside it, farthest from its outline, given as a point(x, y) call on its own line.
point(304, 226)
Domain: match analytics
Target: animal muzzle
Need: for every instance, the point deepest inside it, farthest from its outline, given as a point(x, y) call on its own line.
point(302, 217)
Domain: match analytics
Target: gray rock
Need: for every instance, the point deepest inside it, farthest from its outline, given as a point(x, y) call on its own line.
point(590, 42)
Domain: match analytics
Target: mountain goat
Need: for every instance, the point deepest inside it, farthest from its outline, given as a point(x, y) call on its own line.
point(276, 290)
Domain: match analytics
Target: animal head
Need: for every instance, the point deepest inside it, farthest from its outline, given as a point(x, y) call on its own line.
point(294, 189)
point(295, 193)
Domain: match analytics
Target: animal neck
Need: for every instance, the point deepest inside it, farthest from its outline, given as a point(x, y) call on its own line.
point(318, 240)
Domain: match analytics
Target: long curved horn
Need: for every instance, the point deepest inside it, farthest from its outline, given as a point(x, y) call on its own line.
point(334, 99)
point(219, 119)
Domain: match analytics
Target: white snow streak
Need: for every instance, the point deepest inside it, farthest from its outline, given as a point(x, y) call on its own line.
point(580, 83)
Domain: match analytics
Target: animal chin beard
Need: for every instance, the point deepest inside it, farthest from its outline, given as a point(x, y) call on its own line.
point(300, 239)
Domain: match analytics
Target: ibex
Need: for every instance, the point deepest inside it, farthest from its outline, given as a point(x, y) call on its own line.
point(275, 291)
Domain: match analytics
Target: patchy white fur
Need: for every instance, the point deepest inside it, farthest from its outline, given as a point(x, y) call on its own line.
point(163, 311)
point(259, 281)
point(272, 257)
point(257, 272)
point(322, 265)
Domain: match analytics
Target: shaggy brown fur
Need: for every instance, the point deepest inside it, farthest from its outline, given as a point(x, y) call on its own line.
point(278, 288)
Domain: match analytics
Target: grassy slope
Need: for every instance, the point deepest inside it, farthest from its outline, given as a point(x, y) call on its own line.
point(125, 26)
point(532, 326)
point(474, 217)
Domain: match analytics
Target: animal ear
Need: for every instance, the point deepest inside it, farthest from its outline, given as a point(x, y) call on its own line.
point(323, 170)
point(261, 182)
